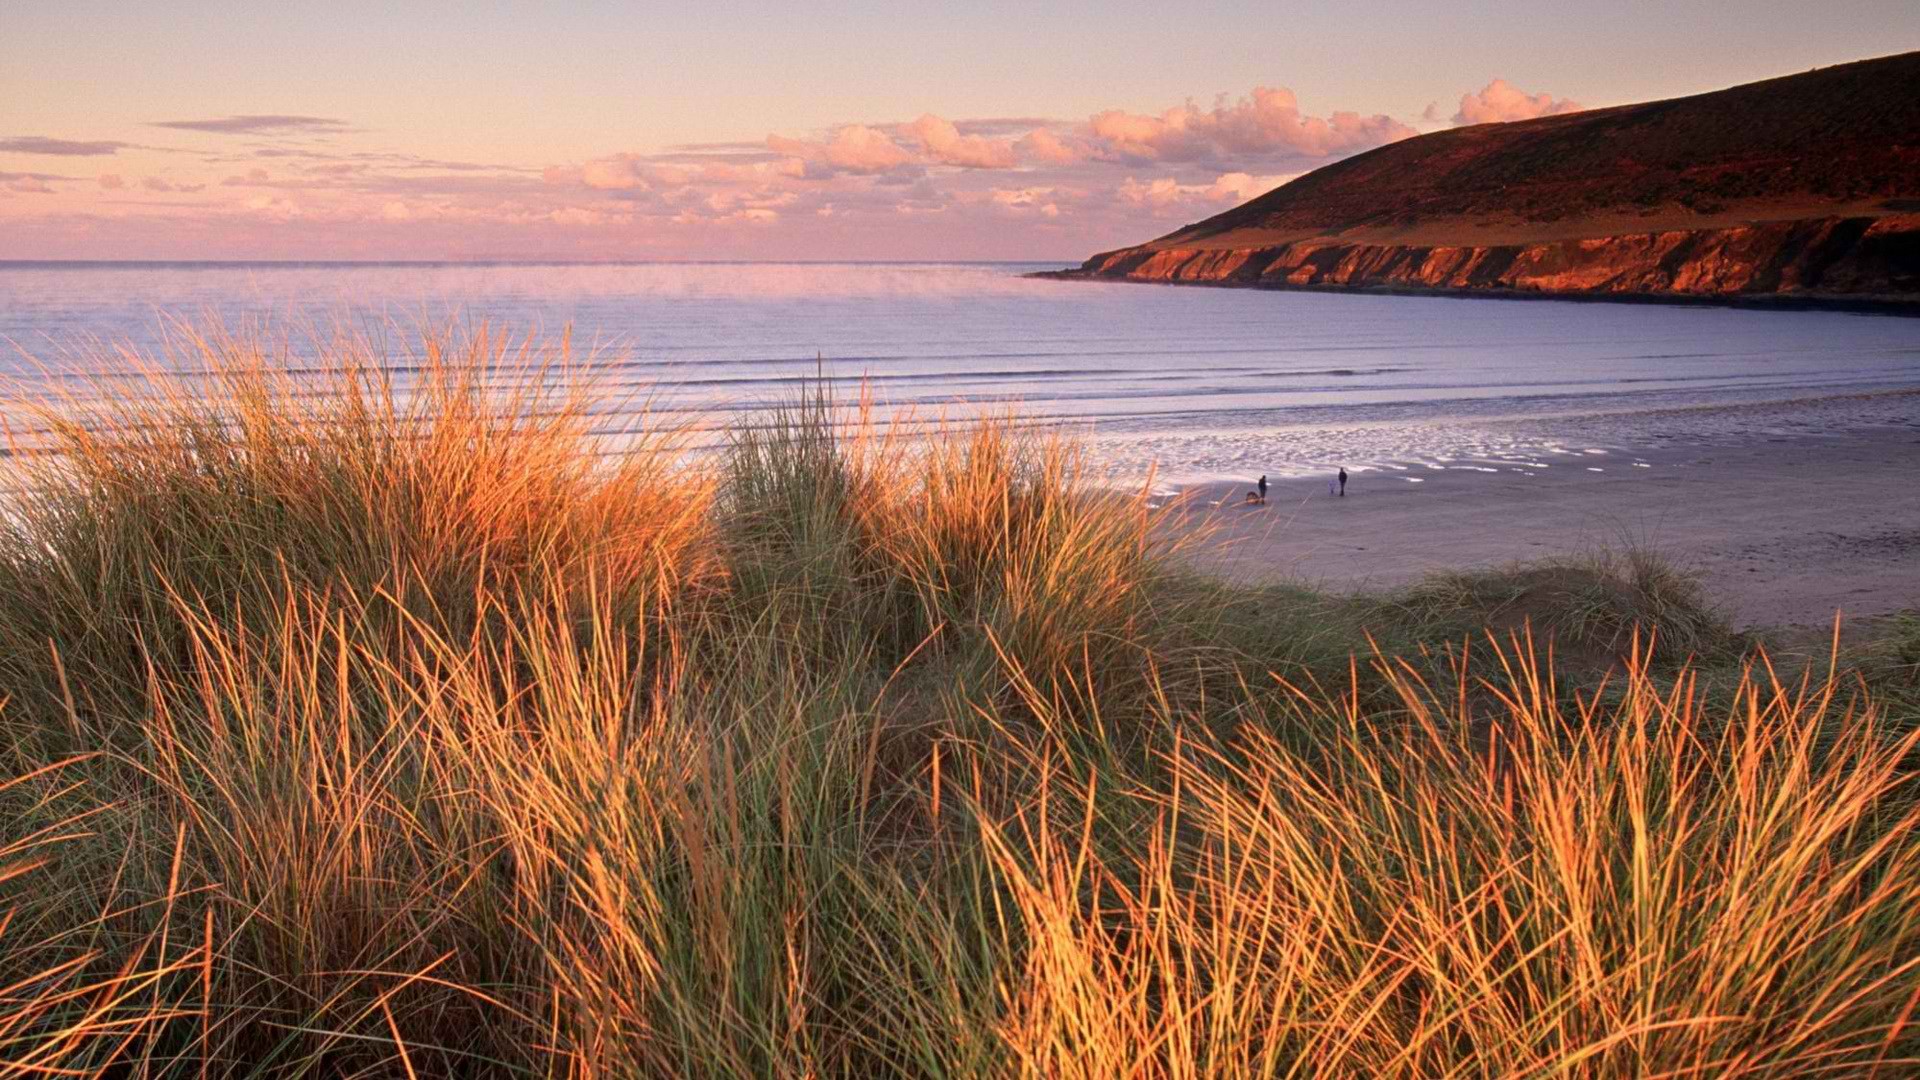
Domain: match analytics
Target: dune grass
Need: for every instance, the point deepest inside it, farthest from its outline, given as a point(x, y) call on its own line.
point(362, 729)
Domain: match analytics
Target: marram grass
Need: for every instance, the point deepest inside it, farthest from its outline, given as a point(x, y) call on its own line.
point(354, 729)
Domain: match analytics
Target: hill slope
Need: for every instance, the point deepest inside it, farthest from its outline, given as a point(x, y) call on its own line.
point(1806, 186)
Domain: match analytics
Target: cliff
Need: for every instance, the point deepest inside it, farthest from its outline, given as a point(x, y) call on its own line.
point(1800, 188)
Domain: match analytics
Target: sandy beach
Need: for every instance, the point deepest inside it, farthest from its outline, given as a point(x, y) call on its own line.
point(1782, 532)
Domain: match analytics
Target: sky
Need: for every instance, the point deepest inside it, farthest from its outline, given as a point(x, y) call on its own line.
point(409, 129)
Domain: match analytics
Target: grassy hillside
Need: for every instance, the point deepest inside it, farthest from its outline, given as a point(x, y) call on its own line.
point(1838, 141)
point(353, 729)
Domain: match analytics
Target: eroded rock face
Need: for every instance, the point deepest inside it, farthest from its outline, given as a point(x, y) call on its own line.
point(1847, 258)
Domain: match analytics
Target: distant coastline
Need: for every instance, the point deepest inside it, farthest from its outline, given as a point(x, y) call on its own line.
point(1865, 305)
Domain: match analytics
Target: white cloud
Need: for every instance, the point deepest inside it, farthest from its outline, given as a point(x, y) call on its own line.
point(1263, 127)
point(1500, 101)
point(1238, 187)
point(855, 148)
point(621, 172)
point(945, 145)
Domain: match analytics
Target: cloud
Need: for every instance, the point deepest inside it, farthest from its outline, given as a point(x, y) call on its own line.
point(576, 216)
point(40, 144)
point(1238, 187)
point(1263, 127)
point(1500, 101)
point(258, 124)
point(752, 215)
point(855, 148)
point(930, 186)
point(944, 143)
point(621, 172)
point(1166, 194)
point(277, 209)
point(30, 183)
point(1043, 201)
point(1047, 147)
point(640, 174)
point(1003, 126)
point(1154, 194)
point(155, 183)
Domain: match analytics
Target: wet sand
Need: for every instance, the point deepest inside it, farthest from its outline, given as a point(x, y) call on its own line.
point(1782, 532)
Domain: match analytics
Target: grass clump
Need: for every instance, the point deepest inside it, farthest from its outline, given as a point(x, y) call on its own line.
point(1593, 607)
point(358, 726)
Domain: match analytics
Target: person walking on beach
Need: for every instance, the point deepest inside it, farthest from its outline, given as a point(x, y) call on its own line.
point(1343, 481)
point(1263, 487)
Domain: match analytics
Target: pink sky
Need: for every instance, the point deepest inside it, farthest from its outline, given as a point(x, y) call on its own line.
point(342, 136)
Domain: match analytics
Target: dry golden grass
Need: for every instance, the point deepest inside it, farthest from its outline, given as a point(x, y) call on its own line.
point(360, 728)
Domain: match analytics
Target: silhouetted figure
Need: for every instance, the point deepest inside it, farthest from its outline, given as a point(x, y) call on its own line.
point(1263, 488)
point(1343, 482)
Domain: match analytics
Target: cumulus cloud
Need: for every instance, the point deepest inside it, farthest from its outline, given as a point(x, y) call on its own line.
point(1238, 187)
point(944, 143)
point(855, 148)
point(1088, 183)
point(1165, 193)
point(1265, 126)
point(1155, 194)
point(1044, 201)
point(621, 172)
point(638, 175)
point(1073, 185)
point(39, 144)
point(1500, 101)
point(258, 124)
point(1045, 146)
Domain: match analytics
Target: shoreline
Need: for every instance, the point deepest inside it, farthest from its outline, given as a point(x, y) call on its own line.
point(1782, 531)
point(1866, 305)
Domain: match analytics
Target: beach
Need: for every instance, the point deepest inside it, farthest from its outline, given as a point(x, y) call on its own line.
point(1782, 531)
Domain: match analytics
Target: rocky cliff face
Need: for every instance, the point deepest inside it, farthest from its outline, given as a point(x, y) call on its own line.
point(1833, 258)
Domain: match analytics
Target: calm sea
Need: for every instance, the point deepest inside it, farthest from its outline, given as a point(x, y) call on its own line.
point(1205, 382)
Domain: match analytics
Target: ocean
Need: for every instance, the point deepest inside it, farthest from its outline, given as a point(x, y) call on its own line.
point(1197, 383)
